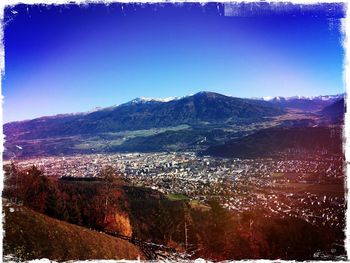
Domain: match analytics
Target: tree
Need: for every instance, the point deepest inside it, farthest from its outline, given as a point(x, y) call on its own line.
point(110, 177)
point(11, 183)
point(74, 211)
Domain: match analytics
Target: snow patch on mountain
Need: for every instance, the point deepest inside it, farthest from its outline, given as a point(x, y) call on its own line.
point(144, 99)
point(322, 97)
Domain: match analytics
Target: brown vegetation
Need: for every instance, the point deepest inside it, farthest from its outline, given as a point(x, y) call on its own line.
point(31, 235)
point(210, 232)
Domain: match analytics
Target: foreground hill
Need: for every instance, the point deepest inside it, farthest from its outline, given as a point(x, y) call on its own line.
point(31, 235)
point(214, 232)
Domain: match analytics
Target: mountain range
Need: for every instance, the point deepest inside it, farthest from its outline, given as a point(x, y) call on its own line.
point(193, 122)
point(306, 103)
point(203, 107)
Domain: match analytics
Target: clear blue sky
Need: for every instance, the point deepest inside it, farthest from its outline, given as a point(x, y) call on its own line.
point(61, 59)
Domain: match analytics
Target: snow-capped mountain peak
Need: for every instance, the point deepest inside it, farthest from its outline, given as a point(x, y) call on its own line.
point(144, 99)
point(322, 97)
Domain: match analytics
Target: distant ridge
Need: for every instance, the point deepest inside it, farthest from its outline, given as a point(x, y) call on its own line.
point(271, 142)
point(304, 103)
point(321, 97)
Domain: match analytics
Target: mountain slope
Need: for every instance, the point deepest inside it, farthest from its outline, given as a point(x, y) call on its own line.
point(335, 112)
point(201, 108)
point(31, 235)
point(188, 123)
point(273, 141)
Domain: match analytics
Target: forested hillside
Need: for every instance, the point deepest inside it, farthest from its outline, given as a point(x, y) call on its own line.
point(109, 204)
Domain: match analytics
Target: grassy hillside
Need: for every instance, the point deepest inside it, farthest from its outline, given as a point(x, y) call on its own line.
point(31, 235)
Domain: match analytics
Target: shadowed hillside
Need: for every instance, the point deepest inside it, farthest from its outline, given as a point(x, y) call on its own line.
point(273, 141)
point(162, 225)
point(335, 112)
point(31, 235)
